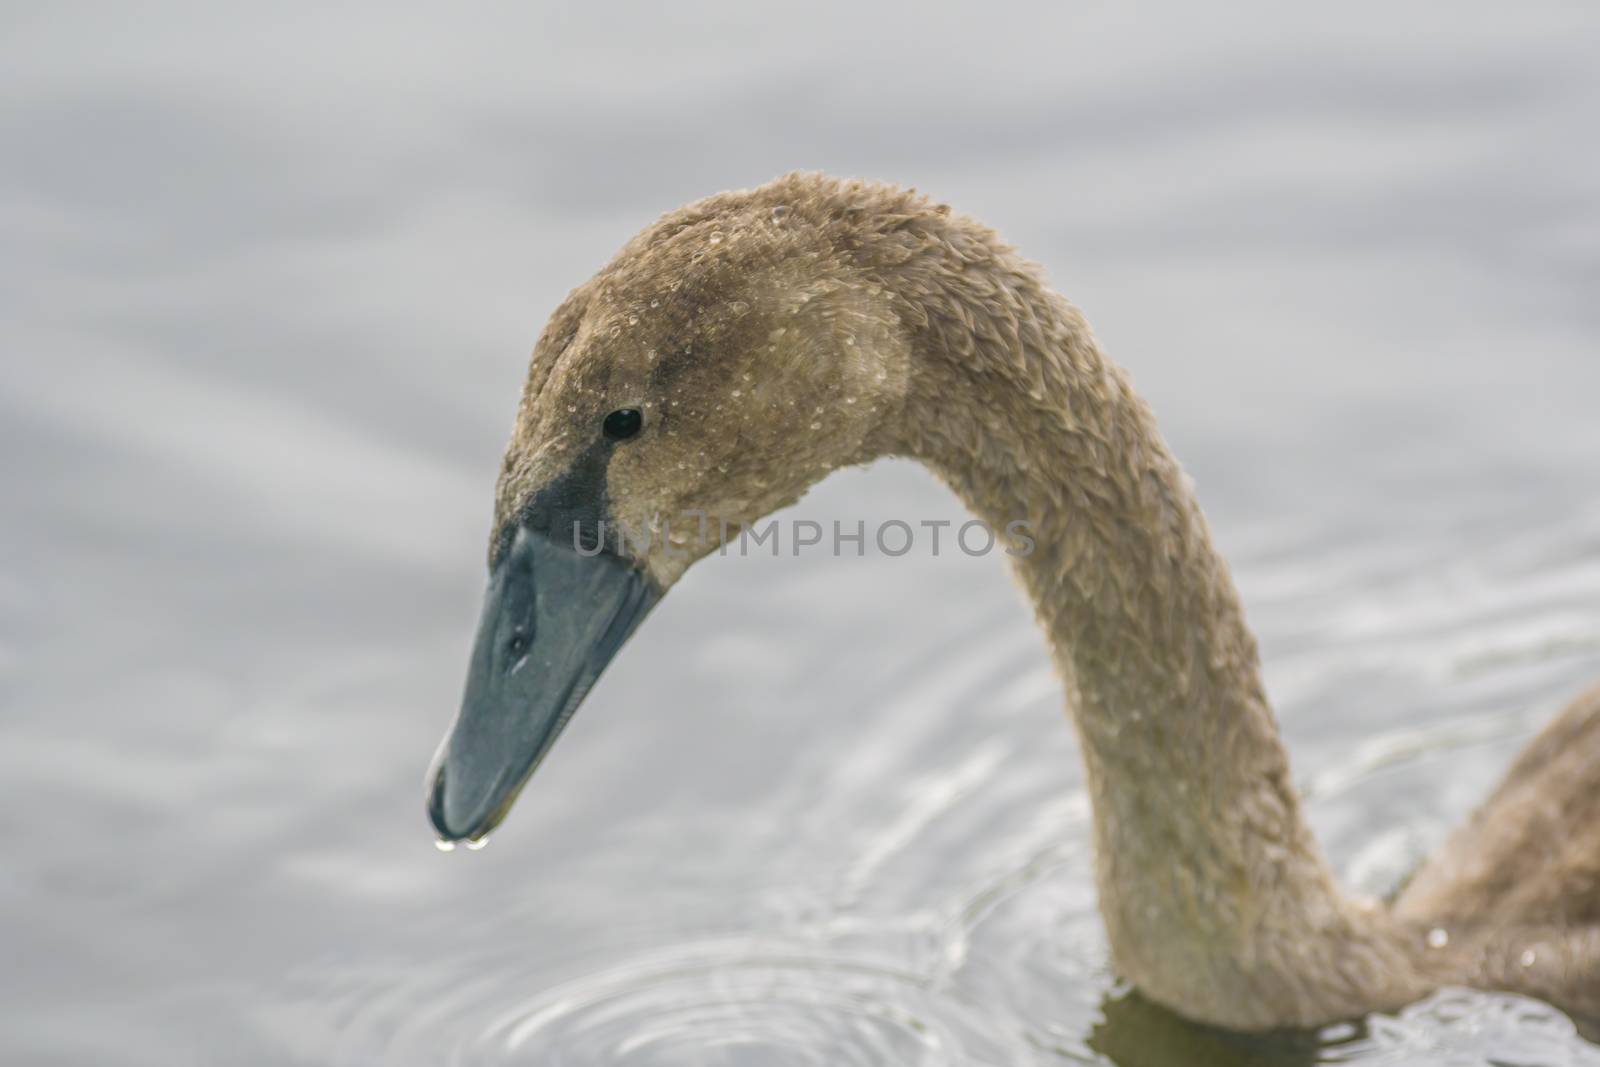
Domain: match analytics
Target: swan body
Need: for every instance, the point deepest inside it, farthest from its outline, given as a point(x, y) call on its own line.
point(770, 336)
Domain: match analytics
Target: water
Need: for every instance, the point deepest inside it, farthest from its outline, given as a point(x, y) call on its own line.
point(270, 280)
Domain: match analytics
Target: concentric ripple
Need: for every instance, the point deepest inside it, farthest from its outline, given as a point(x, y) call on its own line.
point(737, 1003)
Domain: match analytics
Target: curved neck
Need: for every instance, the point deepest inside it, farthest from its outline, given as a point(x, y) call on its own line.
point(1216, 899)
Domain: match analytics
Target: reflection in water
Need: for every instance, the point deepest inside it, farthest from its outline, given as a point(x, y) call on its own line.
point(1133, 1032)
point(264, 335)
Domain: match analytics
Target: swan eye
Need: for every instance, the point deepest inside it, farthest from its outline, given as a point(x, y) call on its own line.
point(518, 644)
point(622, 424)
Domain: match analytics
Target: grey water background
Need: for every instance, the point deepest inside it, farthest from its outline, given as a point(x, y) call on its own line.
point(270, 277)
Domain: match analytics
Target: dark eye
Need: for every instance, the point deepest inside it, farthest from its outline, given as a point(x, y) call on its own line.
point(622, 424)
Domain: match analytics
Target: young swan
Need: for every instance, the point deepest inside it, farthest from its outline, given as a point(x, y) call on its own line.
point(744, 346)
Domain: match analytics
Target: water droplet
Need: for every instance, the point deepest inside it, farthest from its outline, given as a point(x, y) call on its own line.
point(849, 400)
point(779, 213)
point(476, 844)
point(655, 303)
point(633, 320)
point(816, 425)
point(650, 355)
point(738, 392)
point(716, 237)
point(739, 307)
point(851, 341)
point(1438, 937)
point(1529, 958)
point(882, 375)
point(444, 846)
point(572, 408)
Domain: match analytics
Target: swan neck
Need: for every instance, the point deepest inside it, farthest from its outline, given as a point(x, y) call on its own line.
point(1214, 893)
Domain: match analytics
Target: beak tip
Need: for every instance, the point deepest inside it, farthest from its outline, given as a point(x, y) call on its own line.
point(471, 831)
point(435, 805)
point(437, 813)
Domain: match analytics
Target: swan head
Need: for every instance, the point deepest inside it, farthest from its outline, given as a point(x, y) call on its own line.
point(729, 357)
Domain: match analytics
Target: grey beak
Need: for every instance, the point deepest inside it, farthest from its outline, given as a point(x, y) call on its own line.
point(552, 619)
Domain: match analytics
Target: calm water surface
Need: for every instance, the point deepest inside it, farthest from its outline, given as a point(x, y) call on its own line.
point(269, 285)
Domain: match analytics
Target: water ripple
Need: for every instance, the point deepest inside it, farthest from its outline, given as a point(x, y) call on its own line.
point(735, 1003)
point(715, 1003)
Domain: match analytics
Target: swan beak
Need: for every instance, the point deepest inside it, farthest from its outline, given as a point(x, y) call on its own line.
point(552, 619)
